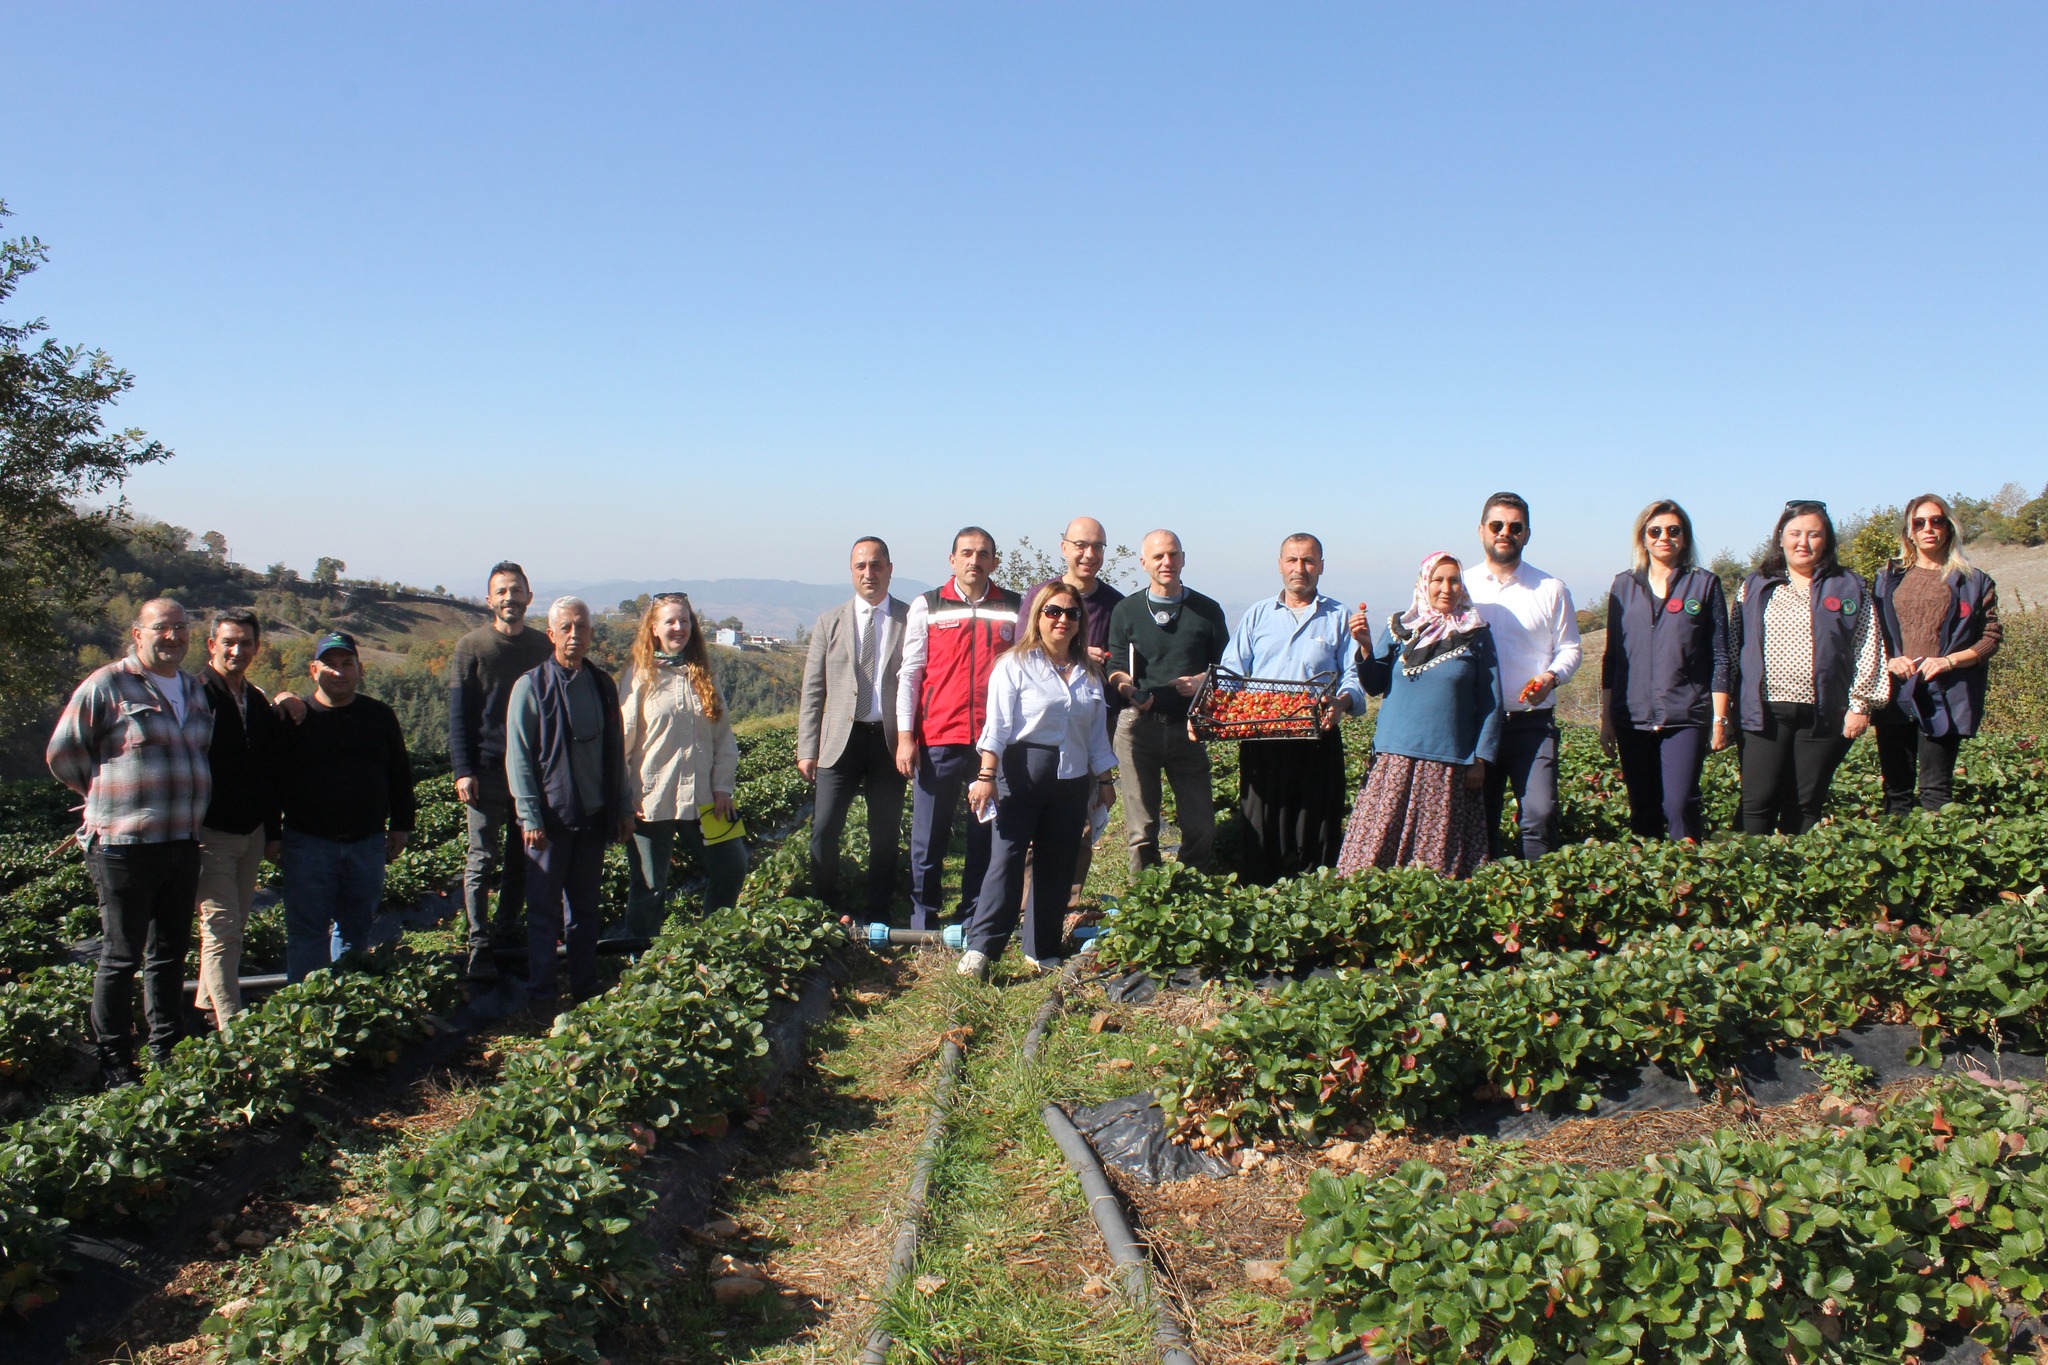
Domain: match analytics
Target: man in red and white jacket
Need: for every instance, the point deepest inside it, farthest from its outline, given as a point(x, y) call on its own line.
point(951, 641)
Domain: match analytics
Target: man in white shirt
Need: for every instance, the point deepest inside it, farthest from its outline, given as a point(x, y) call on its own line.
point(1536, 634)
point(846, 726)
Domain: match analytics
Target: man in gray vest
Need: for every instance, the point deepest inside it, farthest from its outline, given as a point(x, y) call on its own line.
point(565, 761)
point(846, 726)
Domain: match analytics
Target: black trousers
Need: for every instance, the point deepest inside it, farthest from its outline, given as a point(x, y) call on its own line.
point(1290, 793)
point(1662, 771)
point(1040, 820)
point(1786, 770)
point(866, 769)
point(1909, 756)
point(148, 899)
point(1528, 762)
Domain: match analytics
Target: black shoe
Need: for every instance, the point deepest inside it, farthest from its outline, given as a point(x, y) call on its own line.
point(116, 1072)
point(160, 1053)
point(483, 965)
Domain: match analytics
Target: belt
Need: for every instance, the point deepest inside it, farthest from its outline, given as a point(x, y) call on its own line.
point(867, 725)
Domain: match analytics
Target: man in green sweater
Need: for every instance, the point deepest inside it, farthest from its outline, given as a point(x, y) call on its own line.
point(1161, 642)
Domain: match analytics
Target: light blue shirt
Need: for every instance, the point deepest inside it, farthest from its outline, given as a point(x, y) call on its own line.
point(1030, 703)
point(1270, 643)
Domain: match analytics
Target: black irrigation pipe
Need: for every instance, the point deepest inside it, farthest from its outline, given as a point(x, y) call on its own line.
point(904, 1255)
point(606, 947)
point(1133, 1261)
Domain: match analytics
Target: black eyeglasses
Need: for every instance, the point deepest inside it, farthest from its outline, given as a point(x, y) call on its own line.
point(1937, 522)
point(1060, 613)
point(1660, 532)
point(1513, 528)
point(1100, 546)
point(671, 597)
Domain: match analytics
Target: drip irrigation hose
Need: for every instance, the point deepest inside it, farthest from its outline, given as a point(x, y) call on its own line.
point(904, 1254)
point(1133, 1261)
point(606, 947)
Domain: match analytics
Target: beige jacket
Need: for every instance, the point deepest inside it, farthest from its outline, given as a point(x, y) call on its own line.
point(677, 757)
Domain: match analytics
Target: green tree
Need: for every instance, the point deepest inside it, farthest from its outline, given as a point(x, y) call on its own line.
point(55, 449)
point(327, 569)
point(216, 545)
point(1869, 541)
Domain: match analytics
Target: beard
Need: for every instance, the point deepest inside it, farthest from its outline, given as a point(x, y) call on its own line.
point(1494, 554)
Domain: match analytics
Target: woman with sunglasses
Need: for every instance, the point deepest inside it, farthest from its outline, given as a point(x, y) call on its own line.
point(1664, 680)
point(1045, 768)
point(682, 759)
point(1809, 671)
point(1940, 621)
point(1424, 801)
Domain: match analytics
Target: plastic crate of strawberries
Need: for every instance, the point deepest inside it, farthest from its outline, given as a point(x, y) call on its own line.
point(1230, 706)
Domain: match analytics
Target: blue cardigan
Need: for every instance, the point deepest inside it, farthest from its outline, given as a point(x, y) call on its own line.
point(1448, 712)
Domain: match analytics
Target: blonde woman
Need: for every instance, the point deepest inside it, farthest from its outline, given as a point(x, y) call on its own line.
point(1045, 767)
point(1940, 620)
point(682, 760)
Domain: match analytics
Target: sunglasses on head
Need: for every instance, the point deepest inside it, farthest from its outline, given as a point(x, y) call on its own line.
point(1937, 522)
point(1060, 613)
point(1513, 528)
point(1660, 532)
point(671, 597)
point(1806, 506)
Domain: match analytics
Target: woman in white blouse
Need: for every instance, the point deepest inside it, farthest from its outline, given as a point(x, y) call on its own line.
point(682, 759)
point(1809, 671)
point(1045, 766)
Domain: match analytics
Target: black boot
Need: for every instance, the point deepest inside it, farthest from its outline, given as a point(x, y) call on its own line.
point(116, 1069)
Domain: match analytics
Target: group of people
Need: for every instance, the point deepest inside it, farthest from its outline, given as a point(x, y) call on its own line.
point(1042, 709)
point(192, 782)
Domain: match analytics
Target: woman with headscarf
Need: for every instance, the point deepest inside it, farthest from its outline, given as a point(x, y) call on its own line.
point(1940, 621)
point(682, 760)
point(1424, 801)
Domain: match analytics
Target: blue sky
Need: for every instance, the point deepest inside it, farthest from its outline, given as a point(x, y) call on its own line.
point(707, 290)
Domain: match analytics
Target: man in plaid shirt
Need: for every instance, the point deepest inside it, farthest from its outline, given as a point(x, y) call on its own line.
point(133, 742)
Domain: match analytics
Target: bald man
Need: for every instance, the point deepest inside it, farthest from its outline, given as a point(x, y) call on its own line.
point(1161, 642)
point(1084, 545)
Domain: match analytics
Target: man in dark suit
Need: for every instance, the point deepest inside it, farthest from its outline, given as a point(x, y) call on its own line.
point(846, 725)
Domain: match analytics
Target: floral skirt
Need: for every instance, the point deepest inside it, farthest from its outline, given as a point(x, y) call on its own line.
point(1416, 812)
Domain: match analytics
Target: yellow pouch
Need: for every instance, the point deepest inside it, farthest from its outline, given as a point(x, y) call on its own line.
point(717, 831)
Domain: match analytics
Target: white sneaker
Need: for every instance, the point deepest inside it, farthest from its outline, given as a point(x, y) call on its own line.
point(1042, 964)
point(973, 964)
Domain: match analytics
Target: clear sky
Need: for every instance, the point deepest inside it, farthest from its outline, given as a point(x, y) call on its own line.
point(707, 290)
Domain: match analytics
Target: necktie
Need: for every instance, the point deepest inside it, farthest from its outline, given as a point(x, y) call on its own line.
point(864, 670)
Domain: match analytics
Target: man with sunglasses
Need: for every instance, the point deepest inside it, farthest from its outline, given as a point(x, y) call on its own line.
point(1084, 546)
point(846, 725)
point(1536, 632)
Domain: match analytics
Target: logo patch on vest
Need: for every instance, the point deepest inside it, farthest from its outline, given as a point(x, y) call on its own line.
point(1832, 603)
point(1006, 632)
point(1674, 605)
point(1848, 606)
point(1962, 608)
point(1692, 606)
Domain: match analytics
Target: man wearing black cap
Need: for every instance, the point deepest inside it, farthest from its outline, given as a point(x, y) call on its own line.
point(345, 782)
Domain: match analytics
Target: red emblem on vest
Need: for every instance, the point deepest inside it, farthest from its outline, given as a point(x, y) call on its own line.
point(1673, 605)
point(1962, 608)
point(1831, 603)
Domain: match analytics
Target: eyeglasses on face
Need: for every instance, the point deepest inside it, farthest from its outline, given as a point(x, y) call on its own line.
point(1099, 546)
point(1661, 532)
point(1937, 522)
point(1060, 613)
point(1512, 528)
point(166, 627)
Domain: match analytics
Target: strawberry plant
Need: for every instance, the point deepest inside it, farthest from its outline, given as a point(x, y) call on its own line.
point(41, 1016)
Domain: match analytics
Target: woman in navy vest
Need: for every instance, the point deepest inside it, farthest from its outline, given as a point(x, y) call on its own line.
point(1664, 681)
point(1940, 622)
point(1810, 671)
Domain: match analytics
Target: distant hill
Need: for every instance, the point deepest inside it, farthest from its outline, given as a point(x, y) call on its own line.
point(768, 606)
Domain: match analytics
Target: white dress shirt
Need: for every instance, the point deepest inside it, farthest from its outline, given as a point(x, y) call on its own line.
point(866, 617)
point(1029, 703)
point(1535, 628)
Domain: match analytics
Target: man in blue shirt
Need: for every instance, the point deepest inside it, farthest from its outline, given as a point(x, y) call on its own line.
point(1291, 791)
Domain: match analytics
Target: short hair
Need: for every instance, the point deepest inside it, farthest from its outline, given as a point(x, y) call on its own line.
point(507, 566)
point(562, 606)
point(155, 602)
point(237, 616)
point(877, 540)
point(1773, 564)
point(1514, 500)
point(967, 531)
point(1303, 537)
point(1639, 554)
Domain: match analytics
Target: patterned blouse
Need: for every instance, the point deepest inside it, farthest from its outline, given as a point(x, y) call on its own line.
point(1788, 651)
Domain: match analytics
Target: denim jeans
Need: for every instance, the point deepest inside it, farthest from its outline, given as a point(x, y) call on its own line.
point(331, 890)
point(146, 893)
point(1528, 763)
point(654, 841)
